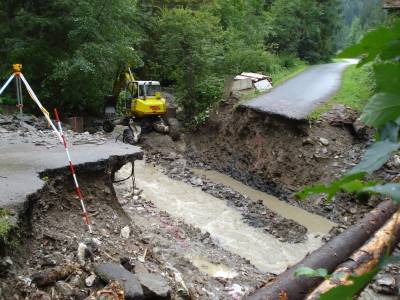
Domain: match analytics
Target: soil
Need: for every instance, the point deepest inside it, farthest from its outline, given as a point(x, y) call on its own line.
point(272, 154)
point(281, 156)
point(157, 244)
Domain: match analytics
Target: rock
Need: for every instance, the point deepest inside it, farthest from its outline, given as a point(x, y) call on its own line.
point(361, 130)
point(6, 266)
point(385, 284)
point(82, 253)
point(127, 263)
point(64, 289)
point(324, 141)
point(154, 286)
point(353, 210)
point(308, 141)
point(76, 281)
point(394, 163)
point(129, 282)
point(196, 181)
point(89, 281)
point(39, 295)
point(125, 232)
point(140, 268)
point(340, 115)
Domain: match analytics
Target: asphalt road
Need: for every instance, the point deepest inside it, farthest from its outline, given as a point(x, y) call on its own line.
point(21, 163)
point(300, 95)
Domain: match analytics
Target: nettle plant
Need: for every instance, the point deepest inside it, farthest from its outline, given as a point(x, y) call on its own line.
point(382, 48)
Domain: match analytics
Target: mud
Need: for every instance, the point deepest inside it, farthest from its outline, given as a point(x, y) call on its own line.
point(280, 156)
point(224, 224)
point(157, 243)
point(254, 213)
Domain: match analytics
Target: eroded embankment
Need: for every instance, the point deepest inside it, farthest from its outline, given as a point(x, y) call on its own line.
point(280, 156)
point(57, 258)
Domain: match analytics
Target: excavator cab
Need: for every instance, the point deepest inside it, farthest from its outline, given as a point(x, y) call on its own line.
point(148, 100)
point(143, 106)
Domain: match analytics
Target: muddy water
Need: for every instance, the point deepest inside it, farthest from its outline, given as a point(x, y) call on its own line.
point(214, 270)
point(224, 223)
point(314, 223)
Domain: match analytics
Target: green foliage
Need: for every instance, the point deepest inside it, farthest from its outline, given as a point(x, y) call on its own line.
point(308, 272)
point(346, 292)
point(383, 42)
point(309, 34)
point(71, 50)
point(375, 157)
point(391, 189)
point(7, 100)
point(381, 112)
point(190, 52)
point(382, 108)
point(4, 223)
point(350, 183)
point(358, 17)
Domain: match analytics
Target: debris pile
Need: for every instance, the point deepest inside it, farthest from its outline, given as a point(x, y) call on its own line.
point(31, 129)
point(250, 82)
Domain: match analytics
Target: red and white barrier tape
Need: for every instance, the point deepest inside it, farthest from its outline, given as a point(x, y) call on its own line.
point(60, 135)
point(7, 83)
point(71, 166)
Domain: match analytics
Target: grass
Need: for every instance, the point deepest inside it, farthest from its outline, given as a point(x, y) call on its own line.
point(357, 87)
point(4, 223)
point(282, 76)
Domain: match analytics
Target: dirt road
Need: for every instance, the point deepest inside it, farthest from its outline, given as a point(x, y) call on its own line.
point(298, 97)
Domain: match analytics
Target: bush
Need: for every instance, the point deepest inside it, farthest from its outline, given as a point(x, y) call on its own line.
point(7, 100)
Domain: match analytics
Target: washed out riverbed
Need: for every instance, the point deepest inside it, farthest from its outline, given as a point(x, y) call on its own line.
point(225, 223)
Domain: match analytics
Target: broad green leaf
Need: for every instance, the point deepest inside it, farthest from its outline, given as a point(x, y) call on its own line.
point(347, 292)
point(391, 189)
point(387, 77)
point(308, 272)
point(357, 185)
point(391, 51)
point(388, 260)
point(390, 132)
point(375, 157)
point(380, 42)
point(381, 109)
point(334, 187)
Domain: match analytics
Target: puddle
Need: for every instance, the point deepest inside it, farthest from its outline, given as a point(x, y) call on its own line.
point(224, 223)
point(213, 270)
point(315, 224)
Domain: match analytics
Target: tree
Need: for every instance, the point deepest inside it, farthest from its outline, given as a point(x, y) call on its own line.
point(190, 52)
point(358, 16)
point(304, 28)
point(71, 50)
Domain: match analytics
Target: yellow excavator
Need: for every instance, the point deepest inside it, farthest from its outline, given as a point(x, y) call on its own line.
point(144, 108)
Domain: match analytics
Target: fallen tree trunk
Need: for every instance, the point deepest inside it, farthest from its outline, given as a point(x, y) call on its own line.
point(329, 256)
point(365, 259)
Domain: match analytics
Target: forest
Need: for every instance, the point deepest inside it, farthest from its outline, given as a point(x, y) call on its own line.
point(72, 51)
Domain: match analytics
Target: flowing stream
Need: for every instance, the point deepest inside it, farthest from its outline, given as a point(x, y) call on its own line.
point(225, 224)
point(313, 223)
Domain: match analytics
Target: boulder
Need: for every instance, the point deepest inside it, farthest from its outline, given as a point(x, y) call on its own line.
point(115, 272)
point(154, 286)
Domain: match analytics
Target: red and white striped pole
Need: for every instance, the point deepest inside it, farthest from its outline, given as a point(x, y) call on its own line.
point(71, 166)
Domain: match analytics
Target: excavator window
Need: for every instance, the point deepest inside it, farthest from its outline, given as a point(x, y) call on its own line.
point(148, 90)
point(152, 90)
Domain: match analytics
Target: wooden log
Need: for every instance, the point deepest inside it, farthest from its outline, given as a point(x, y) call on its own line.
point(365, 259)
point(329, 256)
point(50, 276)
